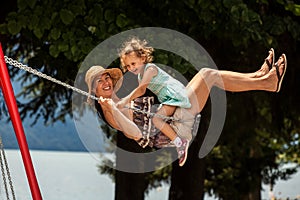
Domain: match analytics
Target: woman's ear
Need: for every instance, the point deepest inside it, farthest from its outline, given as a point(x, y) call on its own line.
point(93, 90)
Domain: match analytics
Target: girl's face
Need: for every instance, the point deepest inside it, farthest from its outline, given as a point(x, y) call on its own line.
point(103, 86)
point(133, 63)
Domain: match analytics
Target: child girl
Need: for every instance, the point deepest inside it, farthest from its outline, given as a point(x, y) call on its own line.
point(136, 57)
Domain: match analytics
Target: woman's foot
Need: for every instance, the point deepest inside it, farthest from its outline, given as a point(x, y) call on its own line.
point(267, 65)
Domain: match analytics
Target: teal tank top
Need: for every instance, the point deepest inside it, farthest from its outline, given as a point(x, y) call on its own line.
point(168, 90)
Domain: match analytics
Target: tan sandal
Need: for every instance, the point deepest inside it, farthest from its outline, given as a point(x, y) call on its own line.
point(270, 65)
point(280, 77)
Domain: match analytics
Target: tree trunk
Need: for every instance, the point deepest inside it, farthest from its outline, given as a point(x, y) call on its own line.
point(187, 182)
point(129, 185)
point(254, 192)
point(253, 195)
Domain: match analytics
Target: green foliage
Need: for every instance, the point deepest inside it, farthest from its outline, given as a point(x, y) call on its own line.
point(66, 16)
point(291, 6)
point(13, 27)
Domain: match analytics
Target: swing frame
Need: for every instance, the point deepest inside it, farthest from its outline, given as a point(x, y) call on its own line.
point(11, 103)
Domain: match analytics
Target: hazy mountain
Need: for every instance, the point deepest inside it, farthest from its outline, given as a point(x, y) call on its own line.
point(59, 136)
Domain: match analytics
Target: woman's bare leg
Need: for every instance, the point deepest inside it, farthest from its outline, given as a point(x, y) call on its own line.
point(199, 87)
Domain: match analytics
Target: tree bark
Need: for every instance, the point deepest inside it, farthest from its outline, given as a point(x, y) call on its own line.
point(129, 185)
point(187, 182)
point(253, 195)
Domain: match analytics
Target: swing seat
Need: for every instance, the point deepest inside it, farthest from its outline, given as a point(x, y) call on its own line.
point(143, 110)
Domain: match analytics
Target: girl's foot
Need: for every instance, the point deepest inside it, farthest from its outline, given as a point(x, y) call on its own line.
point(280, 67)
point(267, 65)
point(277, 73)
point(182, 151)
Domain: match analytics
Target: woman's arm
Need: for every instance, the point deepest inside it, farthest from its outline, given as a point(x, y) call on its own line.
point(118, 120)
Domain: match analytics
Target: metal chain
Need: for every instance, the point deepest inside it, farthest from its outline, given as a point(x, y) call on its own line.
point(40, 74)
point(3, 158)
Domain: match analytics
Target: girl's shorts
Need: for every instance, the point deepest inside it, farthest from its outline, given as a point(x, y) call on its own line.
point(185, 123)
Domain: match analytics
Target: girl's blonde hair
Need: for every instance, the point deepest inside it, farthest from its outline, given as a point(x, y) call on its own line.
point(138, 46)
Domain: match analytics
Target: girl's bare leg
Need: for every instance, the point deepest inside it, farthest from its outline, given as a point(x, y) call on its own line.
point(199, 87)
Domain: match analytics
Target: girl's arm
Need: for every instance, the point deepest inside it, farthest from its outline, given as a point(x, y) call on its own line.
point(150, 72)
point(118, 120)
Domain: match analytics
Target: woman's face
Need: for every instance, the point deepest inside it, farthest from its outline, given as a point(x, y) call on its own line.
point(103, 86)
point(133, 63)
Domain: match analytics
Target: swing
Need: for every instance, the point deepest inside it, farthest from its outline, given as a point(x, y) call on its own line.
point(146, 113)
point(5, 173)
point(143, 112)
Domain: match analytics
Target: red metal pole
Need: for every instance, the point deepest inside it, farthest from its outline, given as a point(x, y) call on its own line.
point(10, 100)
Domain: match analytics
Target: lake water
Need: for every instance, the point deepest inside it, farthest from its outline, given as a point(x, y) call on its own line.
point(74, 175)
point(65, 176)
